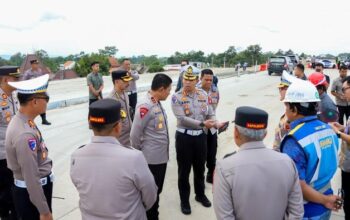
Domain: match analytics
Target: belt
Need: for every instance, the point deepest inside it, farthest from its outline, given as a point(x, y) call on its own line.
point(190, 132)
point(43, 181)
point(132, 92)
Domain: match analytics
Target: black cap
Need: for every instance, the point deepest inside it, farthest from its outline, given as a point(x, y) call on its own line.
point(34, 61)
point(121, 74)
point(93, 63)
point(104, 111)
point(250, 117)
point(10, 71)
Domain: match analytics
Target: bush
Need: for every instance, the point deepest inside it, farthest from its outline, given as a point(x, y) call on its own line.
point(155, 68)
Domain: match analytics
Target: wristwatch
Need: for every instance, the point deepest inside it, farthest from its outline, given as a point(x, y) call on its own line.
point(338, 133)
point(201, 124)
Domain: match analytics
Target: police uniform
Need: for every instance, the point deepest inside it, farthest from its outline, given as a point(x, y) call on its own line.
point(27, 157)
point(113, 181)
point(256, 182)
point(212, 136)
point(149, 133)
point(132, 89)
point(31, 74)
point(125, 111)
point(8, 108)
point(191, 110)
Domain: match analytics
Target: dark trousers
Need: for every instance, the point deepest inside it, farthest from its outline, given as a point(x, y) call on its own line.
point(43, 116)
point(132, 103)
point(212, 145)
point(7, 208)
point(25, 208)
point(92, 100)
point(345, 183)
point(343, 111)
point(190, 151)
point(158, 171)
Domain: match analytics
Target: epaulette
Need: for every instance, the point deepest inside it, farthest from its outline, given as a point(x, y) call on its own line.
point(230, 154)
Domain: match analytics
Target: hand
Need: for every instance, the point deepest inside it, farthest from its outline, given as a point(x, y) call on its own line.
point(47, 216)
point(209, 123)
point(330, 202)
point(336, 126)
point(219, 125)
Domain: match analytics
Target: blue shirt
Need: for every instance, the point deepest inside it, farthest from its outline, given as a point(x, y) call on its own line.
point(293, 149)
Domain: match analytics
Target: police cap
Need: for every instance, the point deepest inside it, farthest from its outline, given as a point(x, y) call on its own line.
point(121, 74)
point(251, 118)
point(35, 61)
point(10, 71)
point(104, 111)
point(190, 72)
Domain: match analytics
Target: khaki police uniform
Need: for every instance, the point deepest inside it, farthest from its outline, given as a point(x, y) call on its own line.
point(27, 157)
point(212, 133)
point(150, 134)
point(256, 182)
point(190, 111)
point(113, 181)
point(123, 98)
point(132, 89)
point(8, 108)
point(31, 74)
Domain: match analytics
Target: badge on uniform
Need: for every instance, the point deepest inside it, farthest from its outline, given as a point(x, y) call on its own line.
point(174, 99)
point(143, 112)
point(123, 114)
point(32, 144)
point(3, 103)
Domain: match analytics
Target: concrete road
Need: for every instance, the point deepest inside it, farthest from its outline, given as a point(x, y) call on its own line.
point(69, 130)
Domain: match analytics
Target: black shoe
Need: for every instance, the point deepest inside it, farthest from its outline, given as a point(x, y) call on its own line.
point(46, 122)
point(185, 208)
point(209, 178)
point(204, 200)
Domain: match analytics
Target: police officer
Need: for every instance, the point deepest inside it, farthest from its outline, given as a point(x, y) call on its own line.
point(191, 108)
point(95, 83)
point(31, 73)
point(206, 84)
point(132, 89)
point(150, 134)
point(27, 155)
point(242, 178)
point(313, 146)
point(283, 126)
point(121, 81)
point(9, 107)
point(113, 181)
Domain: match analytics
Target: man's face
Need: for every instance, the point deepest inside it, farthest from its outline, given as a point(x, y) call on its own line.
point(291, 116)
point(346, 91)
point(96, 68)
point(207, 81)
point(35, 66)
point(319, 69)
point(127, 65)
point(343, 73)
point(122, 85)
point(282, 91)
point(40, 102)
point(165, 92)
point(189, 85)
point(183, 63)
point(298, 72)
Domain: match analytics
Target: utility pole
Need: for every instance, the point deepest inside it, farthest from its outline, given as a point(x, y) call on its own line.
point(224, 62)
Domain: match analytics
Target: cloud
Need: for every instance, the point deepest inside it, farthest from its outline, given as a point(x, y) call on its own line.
point(51, 17)
point(265, 28)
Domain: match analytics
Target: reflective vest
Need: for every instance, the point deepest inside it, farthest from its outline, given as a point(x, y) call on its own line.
point(320, 145)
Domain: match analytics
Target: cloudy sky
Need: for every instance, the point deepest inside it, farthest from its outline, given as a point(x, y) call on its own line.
point(161, 27)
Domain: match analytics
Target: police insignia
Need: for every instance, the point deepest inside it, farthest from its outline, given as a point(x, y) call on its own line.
point(143, 112)
point(174, 99)
point(32, 144)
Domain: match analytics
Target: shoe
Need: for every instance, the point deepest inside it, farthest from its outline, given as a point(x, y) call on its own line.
point(209, 178)
point(185, 208)
point(46, 122)
point(204, 200)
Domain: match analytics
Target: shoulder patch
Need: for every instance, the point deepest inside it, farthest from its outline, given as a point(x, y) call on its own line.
point(230, 154)
point(143, 112)
point(32, 144)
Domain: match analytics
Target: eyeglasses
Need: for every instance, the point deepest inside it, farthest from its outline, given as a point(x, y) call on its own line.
point(282, 88)
point(345, 88)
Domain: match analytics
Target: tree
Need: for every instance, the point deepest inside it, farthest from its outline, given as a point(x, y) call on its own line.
point(254, 53)
point(16, 59)
point(279, 53)
point(108, 51)
point(289, 52)
point(83, 66)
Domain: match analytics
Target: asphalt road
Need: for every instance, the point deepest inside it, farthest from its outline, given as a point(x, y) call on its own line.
point(69, 130)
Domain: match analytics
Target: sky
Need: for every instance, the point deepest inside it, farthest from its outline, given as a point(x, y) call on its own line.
point(161, 27)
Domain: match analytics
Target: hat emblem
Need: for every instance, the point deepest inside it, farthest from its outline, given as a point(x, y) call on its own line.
point(189, 70)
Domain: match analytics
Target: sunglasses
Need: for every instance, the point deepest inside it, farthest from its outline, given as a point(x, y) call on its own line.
point(344, 89)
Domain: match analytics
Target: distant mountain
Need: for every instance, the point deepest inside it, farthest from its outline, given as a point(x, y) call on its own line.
point(6, 57)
